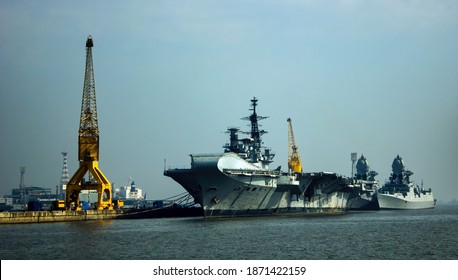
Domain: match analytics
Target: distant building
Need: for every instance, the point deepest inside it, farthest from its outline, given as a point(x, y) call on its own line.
point(6, 203)
point(26, 194)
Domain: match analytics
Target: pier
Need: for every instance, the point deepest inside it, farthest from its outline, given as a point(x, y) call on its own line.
point(57, 216)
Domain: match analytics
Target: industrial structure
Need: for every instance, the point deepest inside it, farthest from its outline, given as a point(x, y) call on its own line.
point(21, 190)
point(354, 158)
point(294, 160)
point(88, 148)
point(22, 182)
point(65, 177)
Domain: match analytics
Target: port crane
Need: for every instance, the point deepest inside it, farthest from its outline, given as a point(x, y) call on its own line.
point(88, 148)
point(294, 160)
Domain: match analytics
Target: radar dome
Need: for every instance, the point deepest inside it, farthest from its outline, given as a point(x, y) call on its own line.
point(362, 166)
point(398, 166)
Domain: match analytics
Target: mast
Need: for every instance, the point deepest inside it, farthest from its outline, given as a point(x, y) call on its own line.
point(254, 153)
point(255, 132)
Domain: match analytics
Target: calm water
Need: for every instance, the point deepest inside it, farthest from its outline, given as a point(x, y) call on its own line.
point(415, 234)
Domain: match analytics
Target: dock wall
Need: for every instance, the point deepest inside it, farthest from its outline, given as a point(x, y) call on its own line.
point(56, 216)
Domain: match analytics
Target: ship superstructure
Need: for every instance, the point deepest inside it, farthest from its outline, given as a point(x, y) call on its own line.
point(366, 184)
point(250, 149)
point(130, 194)
point(401, 193)
point(239, 182)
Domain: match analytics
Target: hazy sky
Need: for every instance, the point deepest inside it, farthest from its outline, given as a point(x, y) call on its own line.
point(372, 77)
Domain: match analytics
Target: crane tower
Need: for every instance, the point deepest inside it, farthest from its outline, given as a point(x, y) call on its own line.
point(88, 148)
point(294, 160)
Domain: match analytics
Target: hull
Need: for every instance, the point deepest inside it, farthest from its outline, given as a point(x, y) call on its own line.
point(228, 186)
point(366, 201)
point(399, 201)
point(299, 211)
point(185, 177)
point(366, 198)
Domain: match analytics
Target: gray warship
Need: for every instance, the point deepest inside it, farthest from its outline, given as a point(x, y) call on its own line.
point(366, 186)
point(401, 193)
point(239, 182)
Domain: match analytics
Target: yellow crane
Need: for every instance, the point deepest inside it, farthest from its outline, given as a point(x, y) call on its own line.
point(294, 160)
point(88, 148)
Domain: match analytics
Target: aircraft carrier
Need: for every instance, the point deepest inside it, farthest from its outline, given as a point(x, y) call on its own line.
point(239, 181)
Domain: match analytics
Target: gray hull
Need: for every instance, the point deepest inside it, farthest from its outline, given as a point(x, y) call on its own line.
point(408, 202)
point(364, 202)
point(367, 196)
point(227, 186)
point(297, 211)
